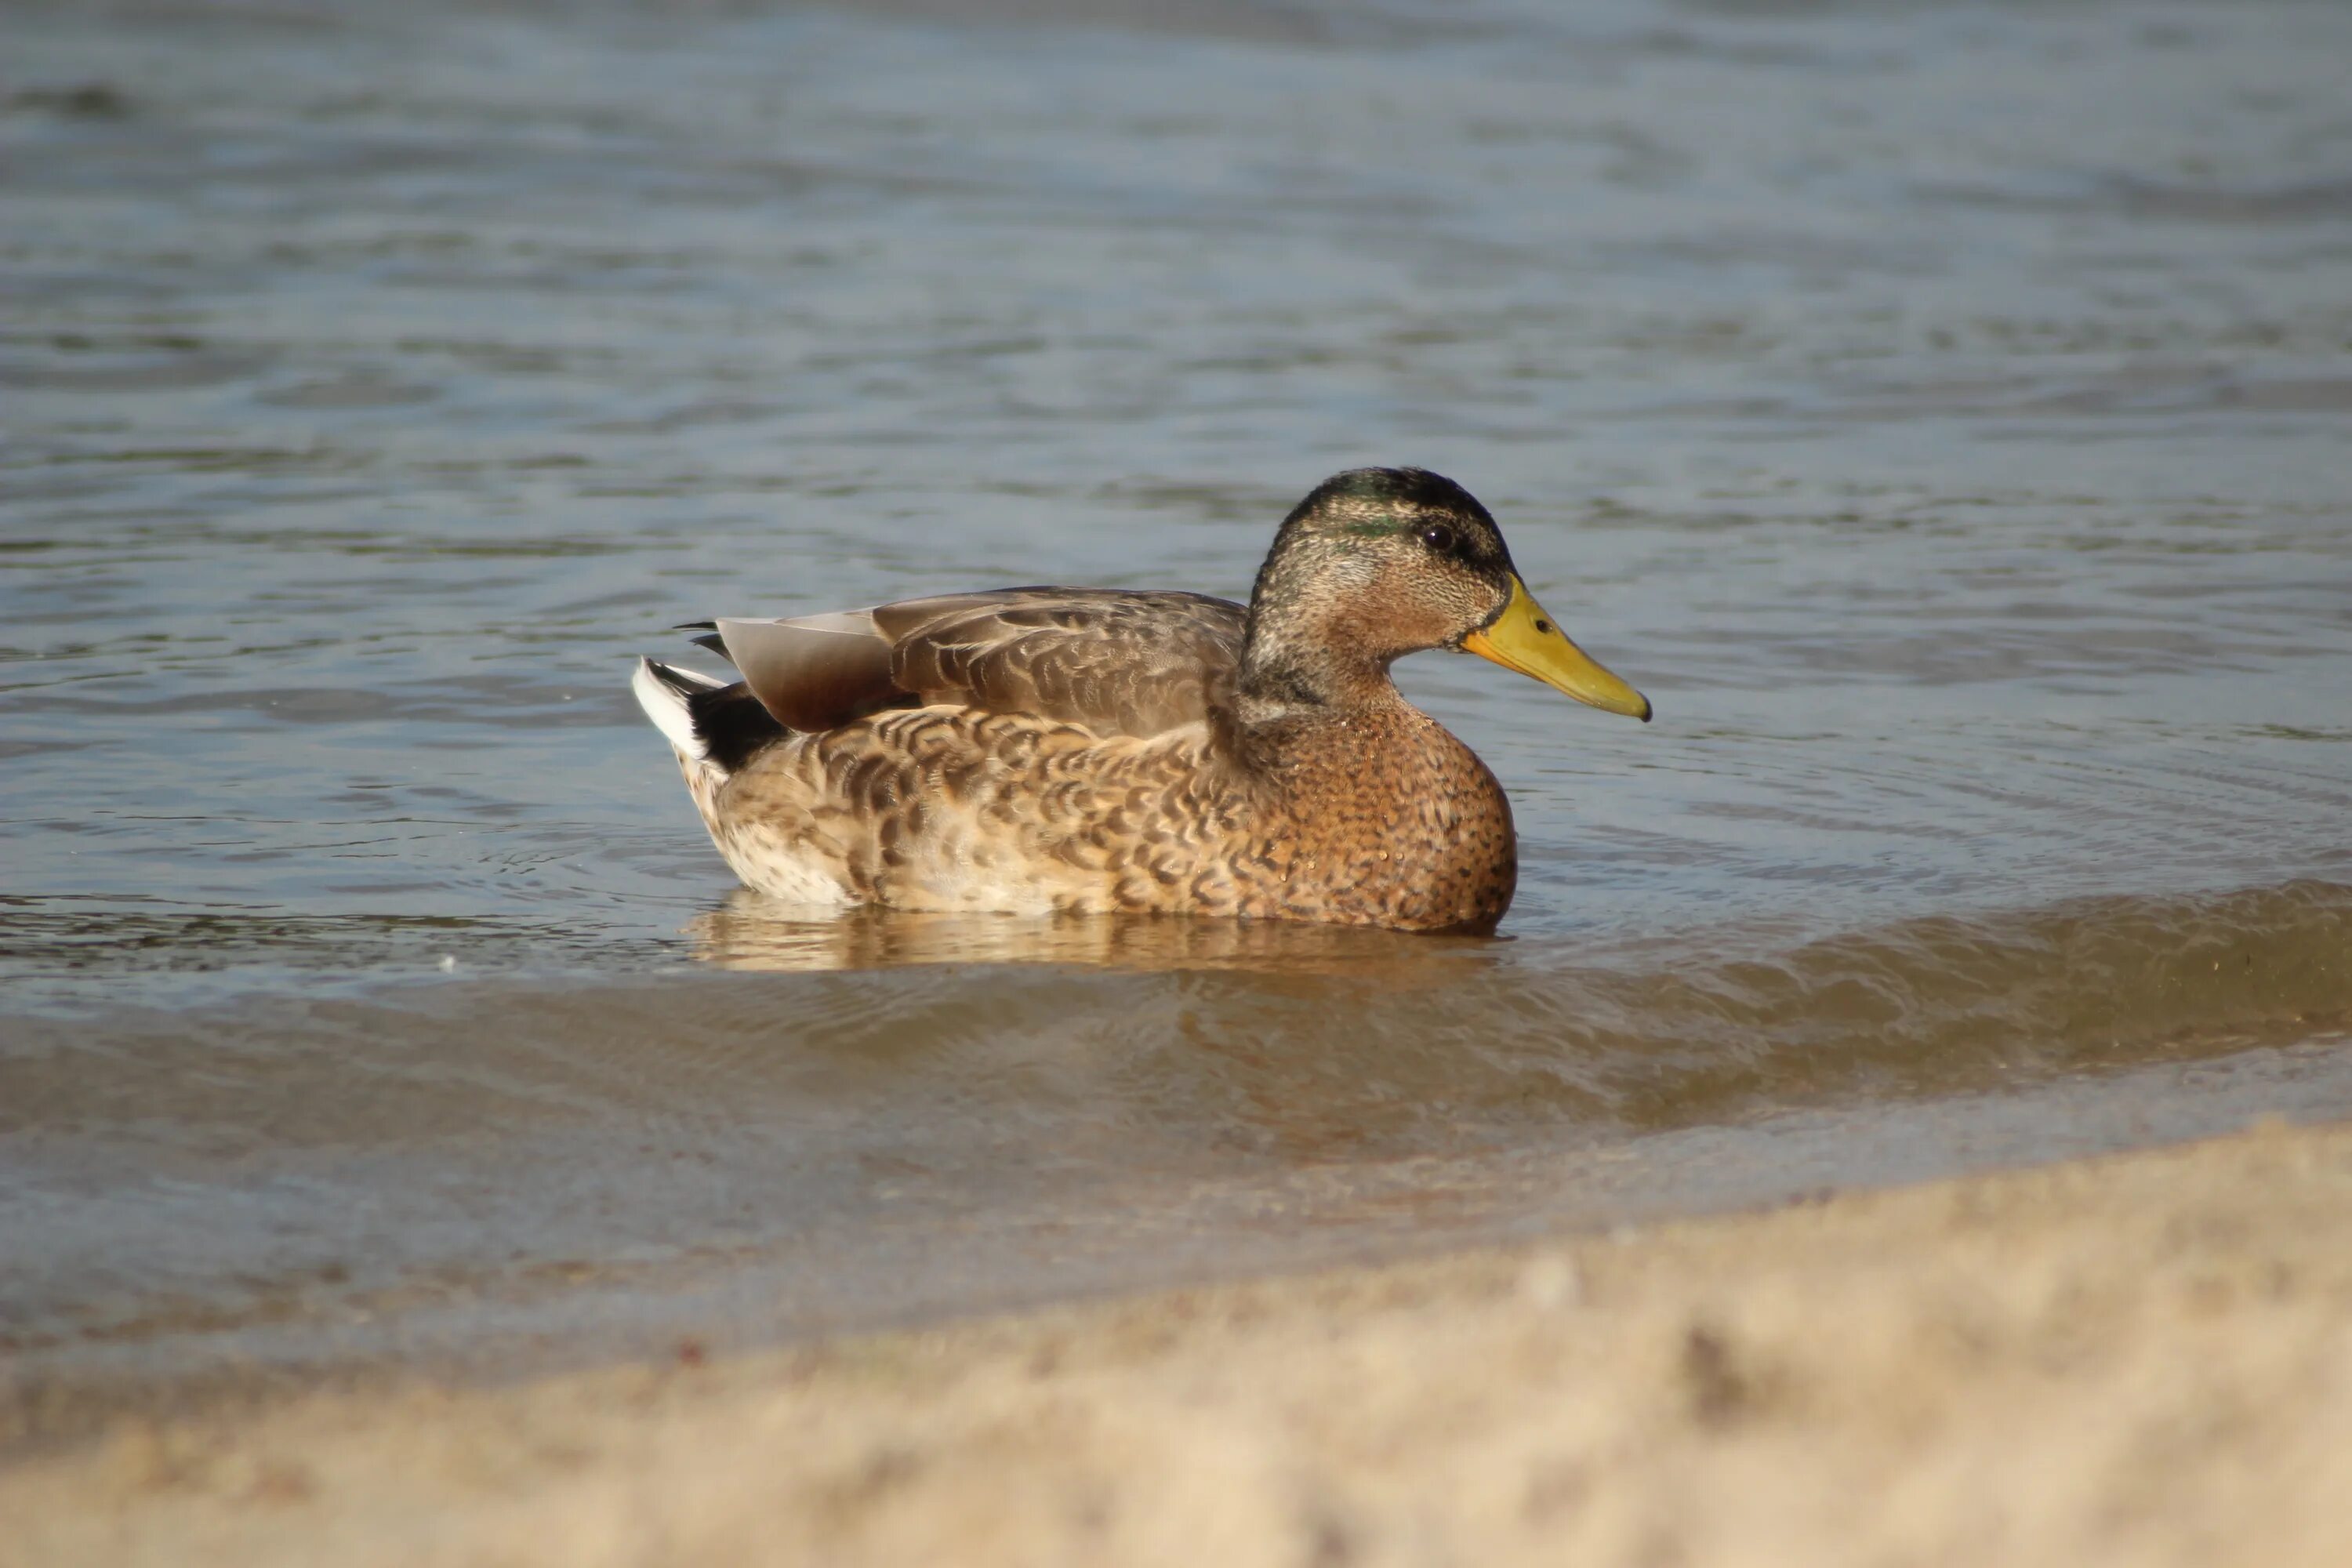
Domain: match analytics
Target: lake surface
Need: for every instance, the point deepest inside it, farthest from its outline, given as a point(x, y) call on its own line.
point(1941, 411)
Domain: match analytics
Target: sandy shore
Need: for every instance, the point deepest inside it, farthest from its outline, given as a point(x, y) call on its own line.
point(2141, 1360)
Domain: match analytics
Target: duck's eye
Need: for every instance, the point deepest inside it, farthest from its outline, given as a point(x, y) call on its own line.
point(1438, 537)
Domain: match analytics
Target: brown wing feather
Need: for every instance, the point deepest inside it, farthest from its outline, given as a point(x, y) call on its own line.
point(1119, 662)
point(817, 673)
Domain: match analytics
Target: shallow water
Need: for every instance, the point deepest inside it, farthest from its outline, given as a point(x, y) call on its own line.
point(1941, 411)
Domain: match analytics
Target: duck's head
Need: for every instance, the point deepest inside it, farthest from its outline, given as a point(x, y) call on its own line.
point(1378, 563)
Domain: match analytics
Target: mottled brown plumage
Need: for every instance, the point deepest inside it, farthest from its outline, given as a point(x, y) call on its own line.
point(1096, 750)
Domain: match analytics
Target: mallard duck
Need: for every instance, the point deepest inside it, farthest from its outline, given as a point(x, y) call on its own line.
point(1097, 750)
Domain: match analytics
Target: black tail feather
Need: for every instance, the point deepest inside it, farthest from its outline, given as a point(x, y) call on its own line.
point(732, 725)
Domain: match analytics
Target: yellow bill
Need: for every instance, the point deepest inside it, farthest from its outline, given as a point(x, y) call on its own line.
point(1523, 637)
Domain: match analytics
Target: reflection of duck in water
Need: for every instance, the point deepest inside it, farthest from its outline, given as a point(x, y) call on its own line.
point(1094, 750)
point(747, 931)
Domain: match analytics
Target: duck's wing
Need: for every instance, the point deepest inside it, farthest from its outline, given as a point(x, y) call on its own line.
point(814, 673)
point(1118, 661)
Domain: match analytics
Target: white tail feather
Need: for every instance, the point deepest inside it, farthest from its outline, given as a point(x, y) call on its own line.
point(666, 705)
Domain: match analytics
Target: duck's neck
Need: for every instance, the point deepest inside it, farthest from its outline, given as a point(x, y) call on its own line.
point(1298, 675)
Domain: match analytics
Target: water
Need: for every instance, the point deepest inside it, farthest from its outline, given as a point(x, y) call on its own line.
point(1939, 410)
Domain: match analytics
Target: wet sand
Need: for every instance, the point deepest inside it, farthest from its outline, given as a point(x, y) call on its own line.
point(2146, 1358)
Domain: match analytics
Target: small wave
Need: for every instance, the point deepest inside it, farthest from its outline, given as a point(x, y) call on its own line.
point(1194, 1034)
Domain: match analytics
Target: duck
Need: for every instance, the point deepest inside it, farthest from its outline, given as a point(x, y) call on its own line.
point(1100, 750)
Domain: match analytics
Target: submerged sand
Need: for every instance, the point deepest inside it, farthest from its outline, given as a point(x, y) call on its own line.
point(2139, 1360)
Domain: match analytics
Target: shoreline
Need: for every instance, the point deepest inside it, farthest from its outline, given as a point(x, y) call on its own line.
point(2138, 1358)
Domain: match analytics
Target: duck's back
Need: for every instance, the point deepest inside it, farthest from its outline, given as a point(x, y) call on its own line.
point(1116, 661)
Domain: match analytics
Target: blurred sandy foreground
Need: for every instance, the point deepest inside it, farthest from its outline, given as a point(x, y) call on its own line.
point(2142, 1360)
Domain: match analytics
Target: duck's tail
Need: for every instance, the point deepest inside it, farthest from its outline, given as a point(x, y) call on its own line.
point(713, 725)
